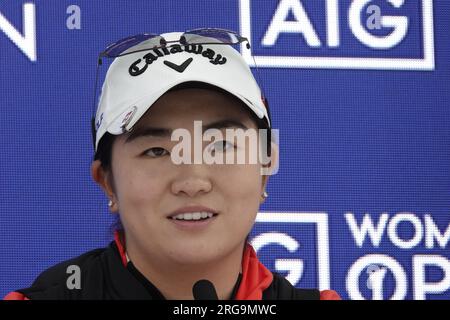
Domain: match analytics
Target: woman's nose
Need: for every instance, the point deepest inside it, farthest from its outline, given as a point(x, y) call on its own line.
point(191, 182)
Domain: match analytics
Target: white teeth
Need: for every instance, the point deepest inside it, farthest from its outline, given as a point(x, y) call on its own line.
point(193, 216)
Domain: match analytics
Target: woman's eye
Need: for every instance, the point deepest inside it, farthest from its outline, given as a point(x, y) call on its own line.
point(221, 146)
point(156, 152)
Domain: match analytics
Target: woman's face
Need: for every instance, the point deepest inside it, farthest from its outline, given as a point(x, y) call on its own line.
point(149, 187)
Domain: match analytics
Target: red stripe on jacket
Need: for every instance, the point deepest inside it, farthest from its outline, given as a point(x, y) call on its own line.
point(15, 296)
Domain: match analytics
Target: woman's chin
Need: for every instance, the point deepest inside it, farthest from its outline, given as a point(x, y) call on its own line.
point(195, 254)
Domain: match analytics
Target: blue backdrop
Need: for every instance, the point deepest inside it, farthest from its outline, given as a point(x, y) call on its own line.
point(359, 91)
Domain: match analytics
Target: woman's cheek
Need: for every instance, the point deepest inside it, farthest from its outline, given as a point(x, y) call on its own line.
point(137, 185)
point(244, 175)
point(241, 186)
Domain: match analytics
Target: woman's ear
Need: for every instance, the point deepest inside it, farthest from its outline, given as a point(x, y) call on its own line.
point(104, 180)
point(271, 167)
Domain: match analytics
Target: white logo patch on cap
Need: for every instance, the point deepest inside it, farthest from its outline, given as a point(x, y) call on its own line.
point(127, 118)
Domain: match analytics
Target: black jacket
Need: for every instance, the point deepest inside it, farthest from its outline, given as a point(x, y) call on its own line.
point(104, 277)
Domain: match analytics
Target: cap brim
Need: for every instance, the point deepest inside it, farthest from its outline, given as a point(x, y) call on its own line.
point(141, 106)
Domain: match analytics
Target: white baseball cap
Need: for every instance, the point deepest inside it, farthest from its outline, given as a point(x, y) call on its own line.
point(135, 81)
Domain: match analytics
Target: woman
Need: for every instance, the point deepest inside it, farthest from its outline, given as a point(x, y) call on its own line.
point(184, 218)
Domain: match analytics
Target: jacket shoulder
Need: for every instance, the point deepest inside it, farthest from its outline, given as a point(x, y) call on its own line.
point(59, 272)
point(282, 289)
point(51, 284)
point(329, 295)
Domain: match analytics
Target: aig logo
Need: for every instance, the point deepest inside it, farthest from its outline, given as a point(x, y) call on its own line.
point(343, 34)
point(270, 239)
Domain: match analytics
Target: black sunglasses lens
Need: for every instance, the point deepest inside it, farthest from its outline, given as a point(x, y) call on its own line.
point(148, 41)
point(119, 47)
point(211, 35)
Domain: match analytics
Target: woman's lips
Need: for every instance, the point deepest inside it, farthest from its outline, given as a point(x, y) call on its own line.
point(192, 209)
point(193, 224)
point(193, 217)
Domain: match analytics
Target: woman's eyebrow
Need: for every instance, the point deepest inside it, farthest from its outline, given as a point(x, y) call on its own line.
point(148, 132)
point(227, 123)
point(166, 132)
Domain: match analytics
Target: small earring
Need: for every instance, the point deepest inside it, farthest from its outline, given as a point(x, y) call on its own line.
point(110, 203)
point(265, 195)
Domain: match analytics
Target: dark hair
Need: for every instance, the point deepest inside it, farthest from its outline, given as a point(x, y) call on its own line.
point(104, 150)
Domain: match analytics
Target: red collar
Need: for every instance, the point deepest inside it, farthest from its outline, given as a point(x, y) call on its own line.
point(255, 276)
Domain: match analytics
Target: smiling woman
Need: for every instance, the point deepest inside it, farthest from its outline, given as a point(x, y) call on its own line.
point(180, 222)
